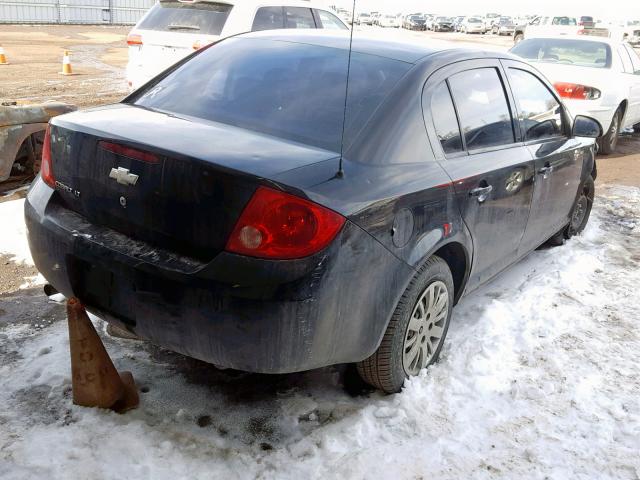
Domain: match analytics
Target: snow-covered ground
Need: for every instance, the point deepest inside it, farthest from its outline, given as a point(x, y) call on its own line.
point(539, 379)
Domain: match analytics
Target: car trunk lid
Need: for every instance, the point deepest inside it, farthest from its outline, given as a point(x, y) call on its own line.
point(176, 183)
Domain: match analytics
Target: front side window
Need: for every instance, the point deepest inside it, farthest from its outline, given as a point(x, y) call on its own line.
point(445, 121)
point(330, 21)
point(482, 106)
point(299, 17)
point(268, 18)
point(539, 112)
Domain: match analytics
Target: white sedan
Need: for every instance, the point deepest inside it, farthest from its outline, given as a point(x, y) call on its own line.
point(473, 25)
point(389, 21)
point(597, 77)
point(173, 29)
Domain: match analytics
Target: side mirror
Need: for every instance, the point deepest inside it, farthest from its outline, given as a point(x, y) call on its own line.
point(586, 127)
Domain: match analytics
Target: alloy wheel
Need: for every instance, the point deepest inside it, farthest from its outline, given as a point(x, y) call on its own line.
point(579, 212)
point(426, 328)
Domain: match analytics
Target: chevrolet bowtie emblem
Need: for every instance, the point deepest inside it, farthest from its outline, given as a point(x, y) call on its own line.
point(123, 177)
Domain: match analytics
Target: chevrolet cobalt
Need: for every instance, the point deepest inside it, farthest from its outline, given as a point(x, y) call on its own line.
point(241, 209)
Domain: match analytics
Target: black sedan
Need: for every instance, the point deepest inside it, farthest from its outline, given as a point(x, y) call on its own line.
point(414, 22)
point(443, 24)
point(233, 210)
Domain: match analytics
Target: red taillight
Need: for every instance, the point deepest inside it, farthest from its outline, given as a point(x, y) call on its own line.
point(281, 226)
point(134, 153)
point(133, 40)
point(576, 91)
point(46, 166)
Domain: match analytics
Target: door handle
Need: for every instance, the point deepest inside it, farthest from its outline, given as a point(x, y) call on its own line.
point(481, 193)
point(545, 171)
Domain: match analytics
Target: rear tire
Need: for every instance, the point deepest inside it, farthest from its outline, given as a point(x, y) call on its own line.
point(416, 332)
point(636, 128)
point(608, 142)
point(580, 213)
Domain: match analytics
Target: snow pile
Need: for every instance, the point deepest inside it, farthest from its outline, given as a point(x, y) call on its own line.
point(538, 379)
point(14, 232)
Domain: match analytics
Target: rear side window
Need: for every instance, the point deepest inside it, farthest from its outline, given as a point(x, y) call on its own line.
point(299, 17)
point(202, 17)
point(330, 21)
point(539, 112)
point(445, 121)
point(482, 106)
point(268, 18)
point(289, 90)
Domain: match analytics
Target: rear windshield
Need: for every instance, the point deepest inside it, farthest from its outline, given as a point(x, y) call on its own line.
point(290, 90)
point(203, 17)
point(582, 53)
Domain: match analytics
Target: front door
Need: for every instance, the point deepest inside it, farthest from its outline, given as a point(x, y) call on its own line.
point(492, 172)
point(558, 157)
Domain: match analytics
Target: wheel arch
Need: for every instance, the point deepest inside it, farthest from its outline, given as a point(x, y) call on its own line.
point(458, 260)
point(624, 104)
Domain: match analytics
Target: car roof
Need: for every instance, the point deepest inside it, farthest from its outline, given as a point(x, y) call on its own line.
point(393, 48)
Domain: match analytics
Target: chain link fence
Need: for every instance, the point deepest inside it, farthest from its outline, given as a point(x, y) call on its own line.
point(107, 12)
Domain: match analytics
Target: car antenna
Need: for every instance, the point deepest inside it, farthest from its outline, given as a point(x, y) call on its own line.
point(340, 173)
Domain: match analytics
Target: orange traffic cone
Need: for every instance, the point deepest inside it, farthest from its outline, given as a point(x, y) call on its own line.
point(3, 57)
point(66, 64)
point(94, 378)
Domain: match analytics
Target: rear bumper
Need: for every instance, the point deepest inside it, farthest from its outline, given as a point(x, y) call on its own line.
point(236, 312)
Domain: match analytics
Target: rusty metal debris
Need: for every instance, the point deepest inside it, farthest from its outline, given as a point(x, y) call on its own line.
point(21, 134)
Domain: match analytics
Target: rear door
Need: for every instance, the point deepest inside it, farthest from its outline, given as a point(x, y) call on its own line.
point(491, 170)
point(558, 157)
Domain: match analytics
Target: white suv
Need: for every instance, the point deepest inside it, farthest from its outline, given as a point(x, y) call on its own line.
point(172, 29)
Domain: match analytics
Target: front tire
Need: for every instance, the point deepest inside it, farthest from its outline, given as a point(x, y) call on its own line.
point(416, 332)
point(607, 143)
point(518, 38)
point(579, 215)
point(581, 210)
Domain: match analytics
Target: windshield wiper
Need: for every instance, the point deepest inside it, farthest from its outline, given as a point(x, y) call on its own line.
point(174, 26)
